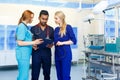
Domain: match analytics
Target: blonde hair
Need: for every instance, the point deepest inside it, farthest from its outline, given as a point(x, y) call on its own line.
point(61, 15)
point(26, 15)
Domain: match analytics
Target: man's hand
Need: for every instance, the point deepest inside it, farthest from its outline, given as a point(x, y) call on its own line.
point(49, 45)
point(35, 47)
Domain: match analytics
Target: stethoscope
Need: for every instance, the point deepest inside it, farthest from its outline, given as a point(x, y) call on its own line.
point(27, 28)
point(26, 25)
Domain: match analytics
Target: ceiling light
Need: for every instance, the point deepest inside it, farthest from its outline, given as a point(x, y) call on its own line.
point(98, 8)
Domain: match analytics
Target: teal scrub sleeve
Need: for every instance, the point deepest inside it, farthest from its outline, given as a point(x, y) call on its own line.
point(21, 30)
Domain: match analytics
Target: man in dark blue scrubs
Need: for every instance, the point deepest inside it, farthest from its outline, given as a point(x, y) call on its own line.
point(41, 55)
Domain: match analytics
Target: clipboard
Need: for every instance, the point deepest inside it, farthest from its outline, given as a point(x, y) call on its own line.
point(47, 41)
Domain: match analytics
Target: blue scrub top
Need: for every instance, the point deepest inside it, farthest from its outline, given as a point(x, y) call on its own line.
point(23, 33)
point(64, 52)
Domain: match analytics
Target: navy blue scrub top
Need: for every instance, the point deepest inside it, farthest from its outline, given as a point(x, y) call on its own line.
point(64, 52)
point(39, 33)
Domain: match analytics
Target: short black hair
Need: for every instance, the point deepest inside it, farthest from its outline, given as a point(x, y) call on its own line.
point(44, 12)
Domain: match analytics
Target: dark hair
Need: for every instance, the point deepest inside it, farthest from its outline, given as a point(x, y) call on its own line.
point(44, 12)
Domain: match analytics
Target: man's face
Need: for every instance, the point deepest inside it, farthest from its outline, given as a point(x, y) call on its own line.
point(43, 19)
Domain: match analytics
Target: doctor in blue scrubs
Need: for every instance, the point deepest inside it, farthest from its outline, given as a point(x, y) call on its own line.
point(24, 45)
point(63, 38)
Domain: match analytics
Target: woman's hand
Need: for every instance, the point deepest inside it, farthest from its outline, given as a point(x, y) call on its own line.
point(59, 43)
point(38, 41)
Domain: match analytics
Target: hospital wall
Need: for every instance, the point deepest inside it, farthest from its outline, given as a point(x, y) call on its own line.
point(10, 14)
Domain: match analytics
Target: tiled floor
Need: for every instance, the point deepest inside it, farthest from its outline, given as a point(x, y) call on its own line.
point(77, 72)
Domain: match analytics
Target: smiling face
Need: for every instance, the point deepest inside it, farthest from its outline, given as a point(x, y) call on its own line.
point(30, 19)
point(57, 20)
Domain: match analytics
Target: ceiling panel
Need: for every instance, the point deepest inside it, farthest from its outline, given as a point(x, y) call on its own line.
point(84, 1)
point(91, 1)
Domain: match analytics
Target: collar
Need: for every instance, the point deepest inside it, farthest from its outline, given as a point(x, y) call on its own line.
point(39, 25)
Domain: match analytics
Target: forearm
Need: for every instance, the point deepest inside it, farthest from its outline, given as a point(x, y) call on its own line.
point(59, 43)
point(69, 42)
point(25, 43)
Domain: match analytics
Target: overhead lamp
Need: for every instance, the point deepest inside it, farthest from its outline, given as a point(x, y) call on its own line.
point(98, 8)
point(89, 18)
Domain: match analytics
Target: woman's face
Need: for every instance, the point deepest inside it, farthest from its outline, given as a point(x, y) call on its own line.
point(31, 18)
point(57, 20)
